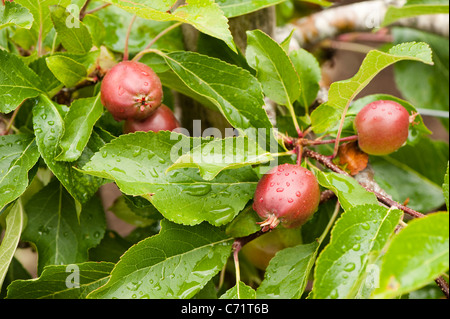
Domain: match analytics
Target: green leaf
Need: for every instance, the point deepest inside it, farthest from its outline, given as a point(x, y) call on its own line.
point(445, 188)
point(244, 292)
point(220, 154)
point(310, 74)
point(430, 90)
point(66, 70)
point(416, 256)
point(343, 92)
point(360, 233)
point(403, 182)
point(79, 122)
point(138, 163)
point(244, 224)
point(204, 15)
point(322, 3)
point(275, 71)
point(14, 218)
point(177, 263)
point(61, 282)
point(19, 153)
point(17, 82)
point(41, 13)
point(234, 8)
point(72, 33)
point(349, 192)
point(49, 128)
point(235, 92)
point(50, 84)
point(288, 272)
point(12, 13)
point(96, 29)
point(121, 208)
point(394, 13)
point(61, 237)
point(116, 22)
point(437, 158)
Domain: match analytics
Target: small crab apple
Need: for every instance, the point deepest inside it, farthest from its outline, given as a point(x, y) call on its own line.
point(131, 90)
point(382, 126)
point(289, 194)
point(162, 119)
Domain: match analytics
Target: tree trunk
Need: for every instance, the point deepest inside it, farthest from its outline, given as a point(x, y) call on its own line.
point(194, 116)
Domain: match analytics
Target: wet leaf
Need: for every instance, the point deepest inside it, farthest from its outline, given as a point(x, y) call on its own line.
point(358, 236)
point(177, 263)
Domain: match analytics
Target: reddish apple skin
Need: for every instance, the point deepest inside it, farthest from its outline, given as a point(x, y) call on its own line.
point(289, 192)
point(383, 127)
point(162, 119)
point(131, 90)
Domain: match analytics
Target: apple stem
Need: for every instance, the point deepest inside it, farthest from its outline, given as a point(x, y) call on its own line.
point(159, 36)
point(299, 151)
point(85, 13)
point(318, 142)
point(238, 271)
point(127, 38)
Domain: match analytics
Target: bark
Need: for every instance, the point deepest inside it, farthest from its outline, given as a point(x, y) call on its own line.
point(357, 17)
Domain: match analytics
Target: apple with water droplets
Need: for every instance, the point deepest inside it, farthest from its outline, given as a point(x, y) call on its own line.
point(162, 119)
point(131, 90)
point(382, 127)
point(289, 194)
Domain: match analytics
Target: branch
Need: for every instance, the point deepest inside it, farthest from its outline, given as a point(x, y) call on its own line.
point(382, 198)
point(359, 17)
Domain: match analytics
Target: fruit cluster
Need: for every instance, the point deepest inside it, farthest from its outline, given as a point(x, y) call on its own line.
point(289, 194)
point(132, 91)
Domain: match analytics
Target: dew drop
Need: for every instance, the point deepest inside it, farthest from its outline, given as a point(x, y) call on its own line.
point(154, 173)
point(290, 200)
point(44, 116)
point(349, 267)
point(280, 190)
point(133, 286)
point(197, 189)
point(365, 226)
point(334, 294)
point(298, 194)
point(51, 122)
point(137, 152)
